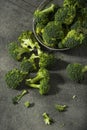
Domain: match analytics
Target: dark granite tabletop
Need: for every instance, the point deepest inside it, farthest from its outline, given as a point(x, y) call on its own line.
point(15, 17)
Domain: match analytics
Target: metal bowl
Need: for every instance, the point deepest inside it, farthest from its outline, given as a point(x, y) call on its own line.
point(44, 4)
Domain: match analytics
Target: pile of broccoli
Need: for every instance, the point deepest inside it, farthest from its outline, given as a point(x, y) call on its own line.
point(32, 59)
point(62, 26)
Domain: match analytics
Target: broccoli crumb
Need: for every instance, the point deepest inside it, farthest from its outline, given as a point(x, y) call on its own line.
point(60, 108)
point(47, 119)
point(27, 104)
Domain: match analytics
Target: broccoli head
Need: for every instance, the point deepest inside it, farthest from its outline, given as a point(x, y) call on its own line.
point(16, 51)
point(76, 71)
point(28, 40)
point(14, 78)
point(77, 3)
point(65, 15)
point(43, 16)
point(46, 60)
point(72, 39)
point(52, 33)
point(29, 64)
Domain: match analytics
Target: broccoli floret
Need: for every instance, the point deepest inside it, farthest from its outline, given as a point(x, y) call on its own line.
point(40, 81)
point(17, 98)
point(72, 39)
point(76, 71)
point(43, 86)
point(41, 74)
point(46, 60)
point(16, 51)
point(43, 16)
point(14, 78)
point(78, 3)
point(65, 15)
point(60, 108)
point(28, 40)
point(47, 119)
point(29, 64)
point(52, 33)
point(39, 28)
point(77, 25)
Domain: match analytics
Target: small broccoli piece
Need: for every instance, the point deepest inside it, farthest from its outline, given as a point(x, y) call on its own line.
point(43, 16)
point(27, 104)
point(60, 108)
point(72, 39)
point(41, 74)
point(28, 40)
point(76, 71)
point(47, 119)
point(17, 98)
point(65, 15)
point(40, 81)
point(16, 51)
point(52, 33)
point(29, 64)
point(14, 78)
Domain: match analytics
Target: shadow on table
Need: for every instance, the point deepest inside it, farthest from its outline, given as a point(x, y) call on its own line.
point(79, 52)
point(55, 80)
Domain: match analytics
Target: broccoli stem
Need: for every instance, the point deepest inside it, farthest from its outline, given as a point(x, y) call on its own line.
point(49, 9)
point(84, 69)
point(34, 86)
point(35, 79)
point(17, 98)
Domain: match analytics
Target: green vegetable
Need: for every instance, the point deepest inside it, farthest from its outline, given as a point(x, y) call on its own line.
point(65, 15)
point(76, 71)
point(60, 108)
point(43, 16)
point(14, 78)
point(47, 119)
point(46, 60)
point(27, 104)
point(29, 64)
point(27, 40)
point(16, 51)
point(77, 3)
point(40, 81)
point(17, 98)
point(72, 39)
point(52, 34)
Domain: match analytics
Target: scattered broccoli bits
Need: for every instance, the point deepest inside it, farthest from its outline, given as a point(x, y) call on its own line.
point(47, 119)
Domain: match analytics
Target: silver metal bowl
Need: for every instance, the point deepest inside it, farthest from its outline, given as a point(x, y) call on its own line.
point(44, 4)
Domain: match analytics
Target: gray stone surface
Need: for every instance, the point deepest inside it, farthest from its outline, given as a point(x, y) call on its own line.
point(16, 17)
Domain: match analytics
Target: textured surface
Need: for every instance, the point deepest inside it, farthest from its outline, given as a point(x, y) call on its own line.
point(16, 17)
